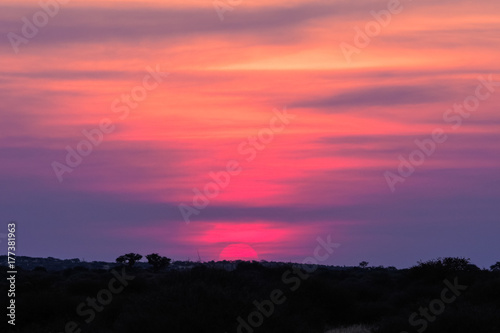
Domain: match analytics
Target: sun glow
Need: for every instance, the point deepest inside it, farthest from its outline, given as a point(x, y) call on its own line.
point(238, 251)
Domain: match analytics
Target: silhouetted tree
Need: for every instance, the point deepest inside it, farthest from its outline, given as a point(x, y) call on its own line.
point(444, 266)
point(129, 259)
point(363, 264)
point(158, 262)
point(495, 267)
point(457, 264)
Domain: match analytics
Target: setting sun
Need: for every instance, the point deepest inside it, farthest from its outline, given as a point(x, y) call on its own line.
point(238, 251)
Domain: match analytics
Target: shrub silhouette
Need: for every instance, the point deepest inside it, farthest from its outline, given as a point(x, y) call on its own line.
point(158, 262)
point(129, 259)
point(443, 266)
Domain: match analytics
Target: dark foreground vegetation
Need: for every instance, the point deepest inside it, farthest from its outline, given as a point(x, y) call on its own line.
point(440, 296)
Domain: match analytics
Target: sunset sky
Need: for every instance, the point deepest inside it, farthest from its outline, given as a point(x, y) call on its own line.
point(316, 133)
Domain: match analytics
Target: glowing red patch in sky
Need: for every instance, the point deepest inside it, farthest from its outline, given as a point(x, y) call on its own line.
point(238, 251)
